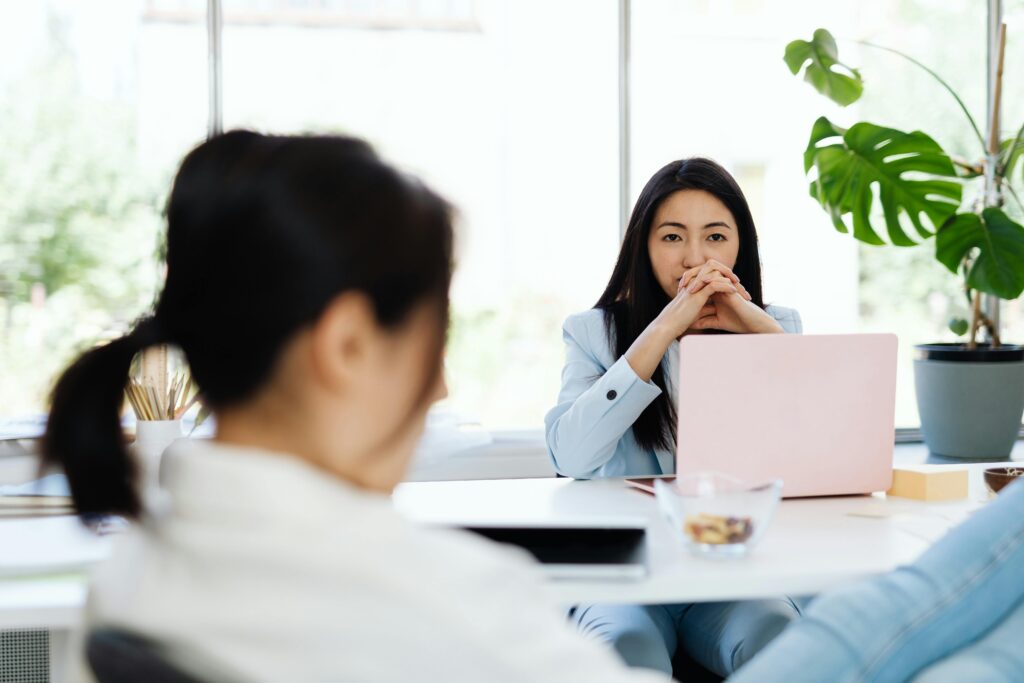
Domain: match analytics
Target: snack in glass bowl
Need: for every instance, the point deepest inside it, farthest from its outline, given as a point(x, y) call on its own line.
point(718, 515)
point(717, 530)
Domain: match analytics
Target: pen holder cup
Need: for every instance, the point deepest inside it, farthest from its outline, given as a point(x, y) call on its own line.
point(152, 437)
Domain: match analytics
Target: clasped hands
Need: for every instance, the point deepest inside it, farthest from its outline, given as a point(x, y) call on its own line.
point(711, 297)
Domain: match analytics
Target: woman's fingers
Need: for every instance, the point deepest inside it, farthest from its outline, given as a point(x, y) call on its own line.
point(711, 266)
point(688, 307)
point(704, 282)
point(722, 287)
point(723, 269)
point(743, 292)
point(701, 279)
point(726, 273)
point(705, 323)
point(688, 276)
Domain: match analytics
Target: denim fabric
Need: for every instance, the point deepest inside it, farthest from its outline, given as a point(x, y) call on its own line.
point(720, 636)
point(998, 657)
point(956, 608)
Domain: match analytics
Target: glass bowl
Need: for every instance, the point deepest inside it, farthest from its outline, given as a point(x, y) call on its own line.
point(717, 515)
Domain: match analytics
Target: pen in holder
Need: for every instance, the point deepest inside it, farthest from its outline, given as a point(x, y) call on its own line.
point(159, 399)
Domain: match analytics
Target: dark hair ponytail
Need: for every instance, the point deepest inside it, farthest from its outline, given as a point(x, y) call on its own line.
point(262, 233)
point(83, 434)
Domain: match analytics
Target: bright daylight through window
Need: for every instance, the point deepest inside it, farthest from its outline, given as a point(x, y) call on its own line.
point(510, 109)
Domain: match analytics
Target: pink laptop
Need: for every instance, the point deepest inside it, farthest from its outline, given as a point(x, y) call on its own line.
point(816, 411)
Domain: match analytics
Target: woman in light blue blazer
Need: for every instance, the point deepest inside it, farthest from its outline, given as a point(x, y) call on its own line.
point(689, 264)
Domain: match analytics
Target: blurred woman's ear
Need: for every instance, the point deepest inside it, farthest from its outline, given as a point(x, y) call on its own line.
point(340, 339)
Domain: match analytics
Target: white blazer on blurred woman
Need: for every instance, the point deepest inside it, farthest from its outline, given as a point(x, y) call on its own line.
point(263, 568)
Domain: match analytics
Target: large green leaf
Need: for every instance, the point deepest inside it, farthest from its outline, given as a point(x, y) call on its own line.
point(833, 79)
point(999, 266)
point(903, 167)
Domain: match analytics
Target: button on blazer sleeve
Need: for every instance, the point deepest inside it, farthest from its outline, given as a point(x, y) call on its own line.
point(597, 404)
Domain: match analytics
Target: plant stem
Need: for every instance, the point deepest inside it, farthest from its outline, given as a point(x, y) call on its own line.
point(937, 77)
point(992, 185)
point(992, 331)
point(997, 96)
point(976, 169)
point(972, 340)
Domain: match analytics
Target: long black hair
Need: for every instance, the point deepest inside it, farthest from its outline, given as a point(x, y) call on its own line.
point(633, 297)
point(262, 233)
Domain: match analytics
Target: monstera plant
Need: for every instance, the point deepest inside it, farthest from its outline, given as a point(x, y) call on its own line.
point(887, 186)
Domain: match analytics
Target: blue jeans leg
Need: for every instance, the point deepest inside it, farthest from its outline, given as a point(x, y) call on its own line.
point(997, 658)
point(891, 627)
point(722, 636)
point(643, 635)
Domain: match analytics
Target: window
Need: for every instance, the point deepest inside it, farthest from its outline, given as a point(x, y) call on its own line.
point(708, 79)
point(84, 174)
point(512, 115)
point(372, 14)
point(1012, 313)
point(510, 109)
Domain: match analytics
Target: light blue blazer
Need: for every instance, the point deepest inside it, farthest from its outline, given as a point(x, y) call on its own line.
point(589, 432)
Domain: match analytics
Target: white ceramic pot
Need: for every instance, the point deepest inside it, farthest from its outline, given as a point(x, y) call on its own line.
point(152, 437)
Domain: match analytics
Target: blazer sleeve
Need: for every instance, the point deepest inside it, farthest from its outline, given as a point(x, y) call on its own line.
point(595, 406)
point(789, 318)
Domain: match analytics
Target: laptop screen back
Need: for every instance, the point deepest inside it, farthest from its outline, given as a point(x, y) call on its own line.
point(816, 411)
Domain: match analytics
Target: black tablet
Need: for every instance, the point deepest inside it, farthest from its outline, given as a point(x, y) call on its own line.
point(598, 552)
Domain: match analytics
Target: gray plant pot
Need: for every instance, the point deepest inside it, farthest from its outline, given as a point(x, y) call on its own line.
point(970, 402)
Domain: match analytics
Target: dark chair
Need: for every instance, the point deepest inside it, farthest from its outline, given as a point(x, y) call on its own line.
point(685, 669)
point(121, 657)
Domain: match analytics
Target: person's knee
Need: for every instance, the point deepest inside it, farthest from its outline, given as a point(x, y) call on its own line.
point(642, 648)
point(640, 635)
point(761, 627)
